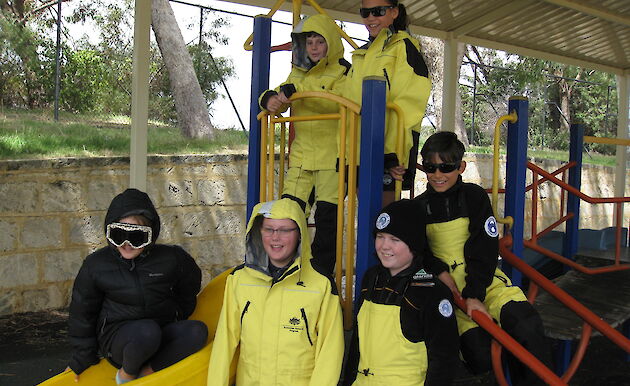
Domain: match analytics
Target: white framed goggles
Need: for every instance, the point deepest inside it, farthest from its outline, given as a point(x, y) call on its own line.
point(138, 236)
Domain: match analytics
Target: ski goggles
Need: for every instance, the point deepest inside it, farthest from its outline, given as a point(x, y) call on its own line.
point(443, 167)
point(138, 236)
point(379, 11)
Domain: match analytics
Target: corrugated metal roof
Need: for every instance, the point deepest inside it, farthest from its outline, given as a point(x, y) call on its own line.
point(588, 33)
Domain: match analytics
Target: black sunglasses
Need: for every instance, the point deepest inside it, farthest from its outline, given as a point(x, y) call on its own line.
point(444, 167)
point(379, 11)
point(138, 236)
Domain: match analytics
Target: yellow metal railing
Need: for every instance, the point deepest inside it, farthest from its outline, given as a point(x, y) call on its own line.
point(400, 132)
point(297, 9)
point(512, 117)
point(607, 141)
point(348, 117)
point(348, 131)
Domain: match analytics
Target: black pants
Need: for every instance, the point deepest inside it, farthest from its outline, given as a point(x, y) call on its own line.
point(141, 342)
point(522, 322)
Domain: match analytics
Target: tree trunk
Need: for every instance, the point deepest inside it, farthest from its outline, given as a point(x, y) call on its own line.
point(190, 103)
point(433, 50)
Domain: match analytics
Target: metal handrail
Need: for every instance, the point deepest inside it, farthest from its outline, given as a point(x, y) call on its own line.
point(347, 116)
point(503, 338)
point(592, 200)
point(607, 141)
point(563, 297)
point(512, 117)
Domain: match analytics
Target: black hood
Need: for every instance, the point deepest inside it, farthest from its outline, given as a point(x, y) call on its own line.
point(133, 202)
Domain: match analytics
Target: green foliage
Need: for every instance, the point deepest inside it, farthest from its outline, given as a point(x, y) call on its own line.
point(558, 94)
point(23, 51)
point(96, 73)
point(87, 68)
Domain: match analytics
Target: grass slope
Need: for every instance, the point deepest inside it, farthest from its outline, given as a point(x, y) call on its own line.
point(28, 134)
point(35, 134)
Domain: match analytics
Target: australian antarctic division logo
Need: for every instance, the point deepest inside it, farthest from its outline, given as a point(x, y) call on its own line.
point(445, 308)
point(382, 221)
point(293, 325)
point(491, 227)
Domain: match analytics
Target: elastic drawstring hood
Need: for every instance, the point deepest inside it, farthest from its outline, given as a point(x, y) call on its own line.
point(255, 256)
point(322, 25)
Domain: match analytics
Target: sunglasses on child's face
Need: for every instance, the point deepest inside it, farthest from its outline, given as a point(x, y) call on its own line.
point(379, 11)
point(138, 236)
point(444, 167)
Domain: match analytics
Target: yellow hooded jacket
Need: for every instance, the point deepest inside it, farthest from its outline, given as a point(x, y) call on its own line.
point(289, 328)
point(397, 58)
point(315, 143)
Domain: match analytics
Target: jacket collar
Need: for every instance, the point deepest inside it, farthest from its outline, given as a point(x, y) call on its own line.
point(452, 190)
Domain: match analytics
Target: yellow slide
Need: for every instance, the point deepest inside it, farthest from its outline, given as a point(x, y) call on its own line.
point(192, 370)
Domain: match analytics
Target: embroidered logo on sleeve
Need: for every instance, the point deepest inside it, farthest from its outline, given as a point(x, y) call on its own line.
point(491, 227)
point(445, 308)
point(382, 221)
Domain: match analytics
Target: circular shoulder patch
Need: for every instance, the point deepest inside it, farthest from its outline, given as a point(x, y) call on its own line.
point(491, 227)
point(382, 221)
point(446, 308)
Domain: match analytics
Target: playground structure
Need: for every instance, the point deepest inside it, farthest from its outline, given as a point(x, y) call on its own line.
point(512, 244)
point(369, 200)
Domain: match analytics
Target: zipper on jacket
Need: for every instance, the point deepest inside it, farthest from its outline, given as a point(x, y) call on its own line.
point(244, 310)
point(308, 334)
point(387, 79)
point(136, 278)
point(448, 209)
point(104, 323)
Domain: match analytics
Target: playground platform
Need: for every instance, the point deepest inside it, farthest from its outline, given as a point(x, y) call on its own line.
point(34, 347)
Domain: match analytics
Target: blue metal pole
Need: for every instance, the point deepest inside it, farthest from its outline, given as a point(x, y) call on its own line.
point(516, 168)
point(370, 173)
point(570, 242)
point(260, 83)
point(570, 245)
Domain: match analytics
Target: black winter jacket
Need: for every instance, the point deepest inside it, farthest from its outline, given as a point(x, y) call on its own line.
point(161, 284)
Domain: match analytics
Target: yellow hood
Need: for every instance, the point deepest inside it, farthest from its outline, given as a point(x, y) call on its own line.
point(255, 256)
point(324, 26)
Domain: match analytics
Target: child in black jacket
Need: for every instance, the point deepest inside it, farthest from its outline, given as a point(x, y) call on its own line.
point(131, 299)
point(462, 232)
point(407, 332)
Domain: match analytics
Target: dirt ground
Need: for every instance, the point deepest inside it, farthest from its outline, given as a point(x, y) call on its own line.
point(34, 347)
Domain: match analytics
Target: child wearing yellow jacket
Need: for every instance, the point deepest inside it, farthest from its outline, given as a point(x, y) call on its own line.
point(284, 314)
point(318, 65)
point(394, 54)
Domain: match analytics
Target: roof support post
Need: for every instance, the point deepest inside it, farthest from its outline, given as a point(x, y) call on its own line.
point(623, 127)
point(140, 95)
point(449, 88)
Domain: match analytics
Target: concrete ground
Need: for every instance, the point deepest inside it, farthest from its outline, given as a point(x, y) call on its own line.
point(34, 347)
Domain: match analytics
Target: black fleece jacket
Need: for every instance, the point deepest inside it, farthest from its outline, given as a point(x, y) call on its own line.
point(161, 284)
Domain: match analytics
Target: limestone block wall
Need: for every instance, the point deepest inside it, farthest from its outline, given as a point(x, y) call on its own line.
point(52, 214)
